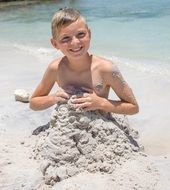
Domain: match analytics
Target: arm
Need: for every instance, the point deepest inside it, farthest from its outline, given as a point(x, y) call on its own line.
point(41, 99)
point(127, 103)
point(112, 78)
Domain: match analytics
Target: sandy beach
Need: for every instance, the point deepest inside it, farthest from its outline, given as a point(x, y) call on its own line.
point(17, 121)
point(19, 170)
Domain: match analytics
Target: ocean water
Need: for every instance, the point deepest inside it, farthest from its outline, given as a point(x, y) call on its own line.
point(134, 33)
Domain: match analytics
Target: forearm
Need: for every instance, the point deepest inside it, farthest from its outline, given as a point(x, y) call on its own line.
point(119, 107)
point(42, 102)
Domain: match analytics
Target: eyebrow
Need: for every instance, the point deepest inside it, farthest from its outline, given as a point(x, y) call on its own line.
point(65, 34)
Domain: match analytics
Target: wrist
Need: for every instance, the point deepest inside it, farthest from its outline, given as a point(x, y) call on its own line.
point(102, 104)
point(54, 99)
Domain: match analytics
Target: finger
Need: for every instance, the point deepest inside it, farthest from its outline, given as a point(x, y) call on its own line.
point(61, 100)
point(83, 105)
point(63, 94)
point(86, 95)
point(77, 100)
point(73, 97)
point(76, 96)
point(67, 95)
point(80, 100)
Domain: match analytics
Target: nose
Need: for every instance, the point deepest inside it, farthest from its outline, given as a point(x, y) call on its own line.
point(74, 40)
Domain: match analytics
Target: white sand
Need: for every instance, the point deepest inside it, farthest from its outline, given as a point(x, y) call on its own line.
point(18, 169)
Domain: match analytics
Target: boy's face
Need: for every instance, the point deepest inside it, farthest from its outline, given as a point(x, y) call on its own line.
point(73, 40)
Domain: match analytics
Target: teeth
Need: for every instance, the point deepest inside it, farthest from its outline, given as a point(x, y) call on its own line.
point(76, 49)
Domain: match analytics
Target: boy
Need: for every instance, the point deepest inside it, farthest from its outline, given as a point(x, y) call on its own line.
point(79, 69)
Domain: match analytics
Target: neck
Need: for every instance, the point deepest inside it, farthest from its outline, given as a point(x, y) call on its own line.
point(80, 64)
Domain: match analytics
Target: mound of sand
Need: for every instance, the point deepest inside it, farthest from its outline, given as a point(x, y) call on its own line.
point(78, 141)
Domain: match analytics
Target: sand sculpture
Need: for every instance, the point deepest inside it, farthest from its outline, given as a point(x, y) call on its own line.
point(76, 141)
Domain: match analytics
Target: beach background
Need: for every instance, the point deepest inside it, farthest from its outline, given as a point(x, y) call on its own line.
point(135, 34)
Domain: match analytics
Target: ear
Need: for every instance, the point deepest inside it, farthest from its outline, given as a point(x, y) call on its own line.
point(89, 33)
point(54, 43)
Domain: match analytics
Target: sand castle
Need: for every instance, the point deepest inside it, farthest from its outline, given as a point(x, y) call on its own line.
point(77, 141)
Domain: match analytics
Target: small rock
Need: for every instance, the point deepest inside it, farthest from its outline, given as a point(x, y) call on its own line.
point(21, 95)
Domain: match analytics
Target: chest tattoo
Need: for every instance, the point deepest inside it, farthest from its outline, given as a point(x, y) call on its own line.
point(99, 86)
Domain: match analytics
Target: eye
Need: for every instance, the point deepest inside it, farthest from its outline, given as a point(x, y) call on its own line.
point(81, 35)
point(65, 39)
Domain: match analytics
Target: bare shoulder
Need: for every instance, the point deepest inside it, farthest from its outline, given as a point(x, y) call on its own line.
point(105, 65)
point(54, 65)
point(52, 70)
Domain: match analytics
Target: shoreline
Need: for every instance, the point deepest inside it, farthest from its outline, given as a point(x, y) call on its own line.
point(20, 3)
point(8, 4)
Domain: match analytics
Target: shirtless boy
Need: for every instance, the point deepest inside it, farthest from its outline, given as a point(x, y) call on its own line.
point(77, 67)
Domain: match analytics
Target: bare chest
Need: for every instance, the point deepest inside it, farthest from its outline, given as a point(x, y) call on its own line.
point(90, 79)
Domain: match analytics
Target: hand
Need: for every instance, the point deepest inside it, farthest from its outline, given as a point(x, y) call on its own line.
point(89, 101)
point(61, 96)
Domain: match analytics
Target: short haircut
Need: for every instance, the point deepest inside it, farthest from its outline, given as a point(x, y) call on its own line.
point(63, 17)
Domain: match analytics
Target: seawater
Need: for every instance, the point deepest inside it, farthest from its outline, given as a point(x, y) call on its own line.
point(132, 29)
point(136, 34)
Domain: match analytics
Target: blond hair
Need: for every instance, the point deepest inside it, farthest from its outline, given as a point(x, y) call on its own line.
point(63, 17)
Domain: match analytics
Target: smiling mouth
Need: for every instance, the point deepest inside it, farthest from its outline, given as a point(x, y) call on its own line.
point(76, 49)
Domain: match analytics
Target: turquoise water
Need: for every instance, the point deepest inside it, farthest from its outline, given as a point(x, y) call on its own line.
point(132, 29)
